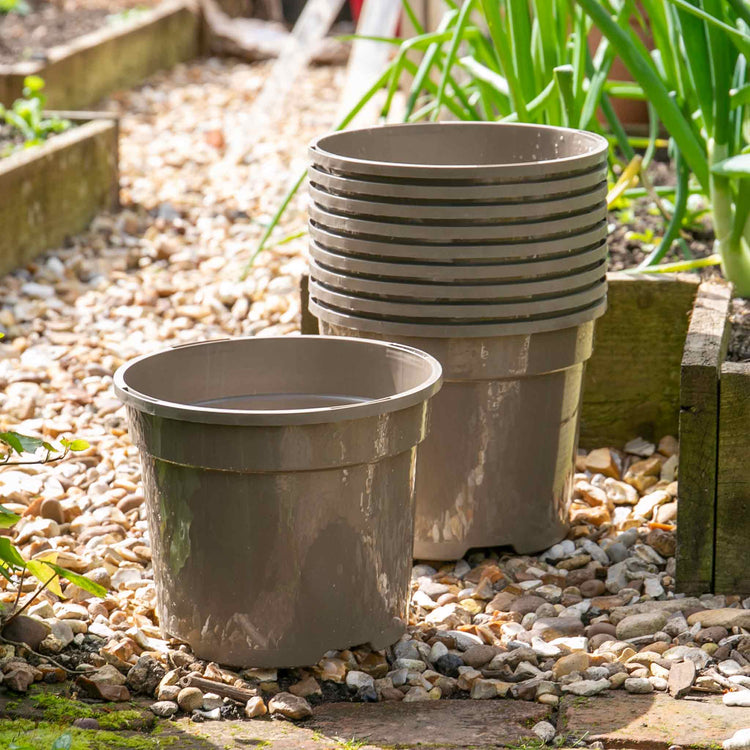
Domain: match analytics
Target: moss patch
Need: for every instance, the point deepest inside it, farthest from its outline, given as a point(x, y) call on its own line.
point(24, 734)
point(60, 710)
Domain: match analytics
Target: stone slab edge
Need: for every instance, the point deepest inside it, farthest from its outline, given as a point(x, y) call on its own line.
point(82, 72)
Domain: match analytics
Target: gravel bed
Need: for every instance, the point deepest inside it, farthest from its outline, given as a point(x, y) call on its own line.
point(596, 612)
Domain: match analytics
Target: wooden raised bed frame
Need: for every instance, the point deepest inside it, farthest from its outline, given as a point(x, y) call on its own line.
point(37, 213)
point(82, 72)
point(714, 473)
point(632, 381)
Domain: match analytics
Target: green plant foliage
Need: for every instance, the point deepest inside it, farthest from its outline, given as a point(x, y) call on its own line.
point(502, 60)
point(13, 566)
point(21, 7)
point(27, 116)
point(127, 15)
point(696, 80)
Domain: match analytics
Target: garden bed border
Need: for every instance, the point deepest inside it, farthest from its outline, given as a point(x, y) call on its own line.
point(80, 73)
point(37, 213)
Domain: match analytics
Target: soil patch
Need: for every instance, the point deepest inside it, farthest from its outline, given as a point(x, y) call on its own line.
point(10, 140)
point(739, 341)
point(639, 226)
point(52, 22)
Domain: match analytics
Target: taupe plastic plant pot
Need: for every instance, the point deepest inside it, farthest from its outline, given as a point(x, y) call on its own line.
point(458, 274)
point(279, 477)
point(480, 193)
point(458, 253)
point(443, 212)
point(465, 312)
point(497, 468)
point(434, 232)
point(391, 328)
point(524, 289)
point(469, 152)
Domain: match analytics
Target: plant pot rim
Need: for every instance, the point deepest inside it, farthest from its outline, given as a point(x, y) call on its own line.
point(383, 249)
point(465, 233)
point(322, 150)
point(469, 312)
point(457, 330)
point(520, 290)
point(558, 206)
point(429, 384)
point(365, 185)
point(454, 273)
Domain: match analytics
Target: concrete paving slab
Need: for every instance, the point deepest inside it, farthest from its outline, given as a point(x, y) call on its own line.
point(445, 725)
point(650, 722)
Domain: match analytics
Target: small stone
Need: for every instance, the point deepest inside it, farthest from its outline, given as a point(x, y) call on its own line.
point(601, 461)
point(483, 689)
point(168, 693)
point(145, 675)
point(545, 731)
point(739, 698)
point(645, 506)
point(740, 740)
point(592, 588)
point(23, 629)
point(640, 447)
point(211, 702)
point(729, 667)
point(190, 699)
point(681, 678)
point(576, 662)
point(478, 656)
point(638, 685)
point(449, 665)
point(416, 695)
point(664, 542)
point(164, 709)
point(356, 680)
point(86, 723)
point(525, 604)
point(634, 626)
point(289, 707)
point(725, 617)
point(53, 510)
point(306, 687)
point(586, 688)
point(255, 707)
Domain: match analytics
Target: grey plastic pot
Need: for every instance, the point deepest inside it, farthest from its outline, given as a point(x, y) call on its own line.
point(523, 289)
point(497, 468)
point(459, 312)
point(279, 480)
point(481, 193)
point(441, 253)
point(460, 151)
point(458, 274)
point(443, 212)
point(457, 233)
point(389, 328)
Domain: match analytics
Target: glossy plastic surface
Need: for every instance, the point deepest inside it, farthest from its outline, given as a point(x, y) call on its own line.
point(278, 534)
point(449, 273)
point(465, 312)
point(522, 289)
point(462, 151)
point(497, 468)
point(480, 193)
point(495, 211)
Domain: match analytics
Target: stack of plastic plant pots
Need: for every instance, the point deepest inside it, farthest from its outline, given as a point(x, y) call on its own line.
point(485, 245)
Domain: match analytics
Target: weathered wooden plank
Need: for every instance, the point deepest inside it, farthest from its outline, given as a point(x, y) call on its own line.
point(82, 72)
point(732, 564)
point(632, 381)
point(705, 350)
point(52, 191)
